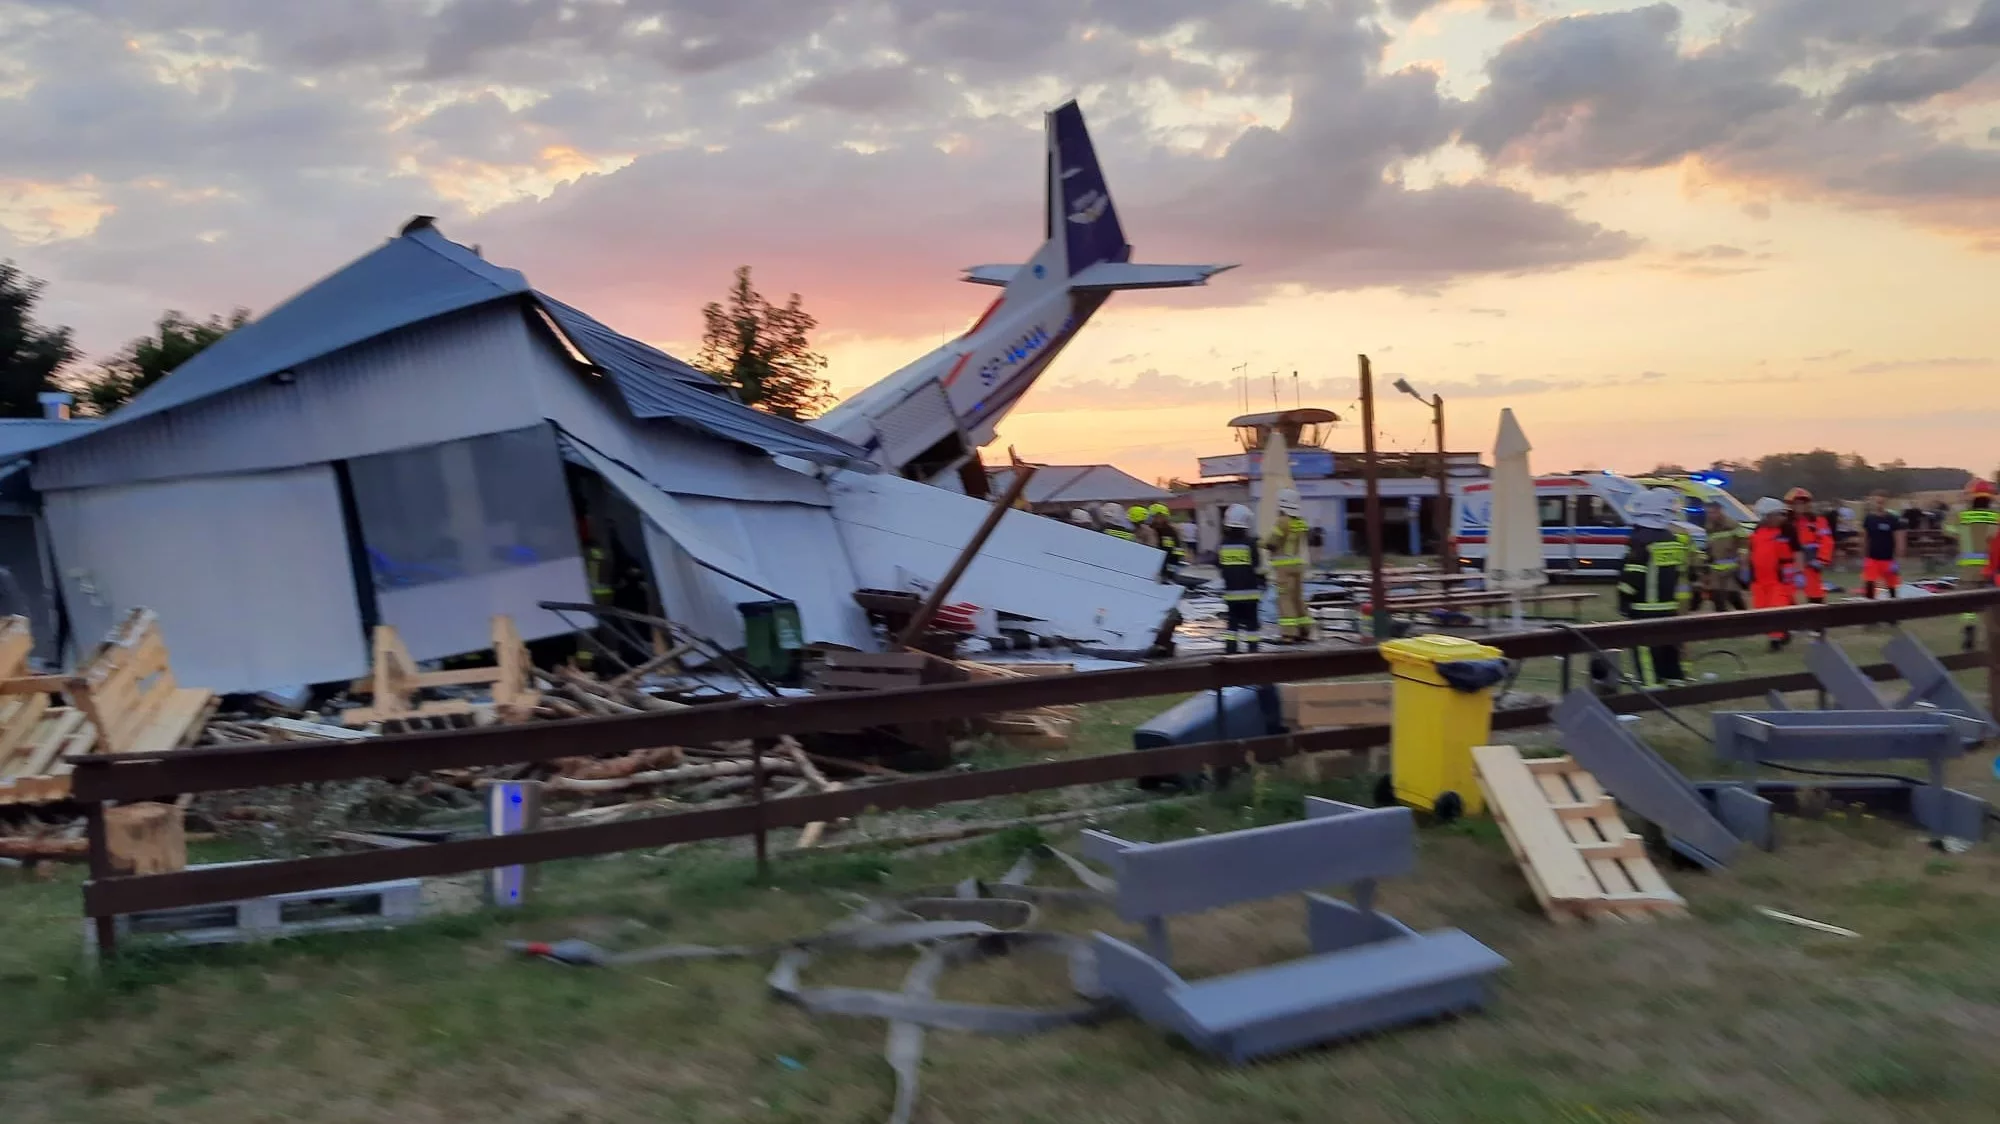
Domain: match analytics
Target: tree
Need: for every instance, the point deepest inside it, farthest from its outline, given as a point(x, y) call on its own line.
point(175, 339)
point(764, 352)
point(30, 355)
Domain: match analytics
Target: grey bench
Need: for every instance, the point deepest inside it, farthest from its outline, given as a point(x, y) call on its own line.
point(1367, 970)
point(1931, 685)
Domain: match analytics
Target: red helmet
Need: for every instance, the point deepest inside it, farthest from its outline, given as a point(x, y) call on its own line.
point(1798, 495)
point(1979, 487)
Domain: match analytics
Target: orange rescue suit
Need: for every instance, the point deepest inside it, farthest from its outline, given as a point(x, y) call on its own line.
point(1772, 558)
point(1815, 543)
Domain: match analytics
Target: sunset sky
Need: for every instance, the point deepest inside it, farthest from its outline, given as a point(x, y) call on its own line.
point(1669, 231)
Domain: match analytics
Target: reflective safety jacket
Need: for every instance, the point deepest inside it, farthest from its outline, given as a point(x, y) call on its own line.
point(1121, 533)
point(1170, 541)
point(1814, 539)
point(597, 563)
point(1976, 528)
point(1771, 557)
point(1725, 544)
point(1242, 566)
point(1655, 562)
point(1287, 541)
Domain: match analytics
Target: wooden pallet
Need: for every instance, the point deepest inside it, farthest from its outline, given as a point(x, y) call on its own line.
point(124, 700)
point(1573, 846)
point(394, 681)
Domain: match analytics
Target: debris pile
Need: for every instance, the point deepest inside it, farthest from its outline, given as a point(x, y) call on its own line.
point(127, 691)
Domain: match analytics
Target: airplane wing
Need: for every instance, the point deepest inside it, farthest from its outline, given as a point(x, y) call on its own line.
point(990, 274)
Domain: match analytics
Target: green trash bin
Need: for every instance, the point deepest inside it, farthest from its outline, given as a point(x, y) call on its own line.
point(772, 639)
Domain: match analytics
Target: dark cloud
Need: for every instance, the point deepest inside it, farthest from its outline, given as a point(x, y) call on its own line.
point(1982, 30)
point(629, 153)
point(867, 90)
point(1907, 79)
point(1602, 92)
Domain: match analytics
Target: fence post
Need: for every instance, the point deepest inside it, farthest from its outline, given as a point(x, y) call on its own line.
point(100, 868)
point(757, 790)
point(1992, 623)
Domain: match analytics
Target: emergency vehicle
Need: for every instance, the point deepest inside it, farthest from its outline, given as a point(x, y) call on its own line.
point(1698, 493)
point(1584, 529)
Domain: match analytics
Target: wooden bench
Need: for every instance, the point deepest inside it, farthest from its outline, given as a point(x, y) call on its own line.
point(1488, 602)
point(1367, 971)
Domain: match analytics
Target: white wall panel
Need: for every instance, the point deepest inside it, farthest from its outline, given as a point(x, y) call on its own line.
point(250, 574)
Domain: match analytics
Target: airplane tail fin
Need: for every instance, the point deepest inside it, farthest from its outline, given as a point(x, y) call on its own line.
point(1081, 214)
point(1086, 249)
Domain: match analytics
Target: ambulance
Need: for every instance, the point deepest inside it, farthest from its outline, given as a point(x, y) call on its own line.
point(1584, 529)
point(1699, 491)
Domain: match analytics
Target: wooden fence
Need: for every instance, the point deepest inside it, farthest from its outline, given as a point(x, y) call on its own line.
point(100, 779)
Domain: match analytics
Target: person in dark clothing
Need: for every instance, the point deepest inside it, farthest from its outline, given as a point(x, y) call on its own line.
point(1242, 565)
point(1883, 541)
point(1655, 559)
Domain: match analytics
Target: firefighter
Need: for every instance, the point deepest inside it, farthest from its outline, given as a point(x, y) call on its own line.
point(1813, 539)
point(1692, 560)
point(1169, 536)
point(1724, 578)
point(1113, 518)
point(1242, 566)
point(1286, 545)
point(1975, 528)
point(1142, 527)
point(1655, 563)
point(1770, 564)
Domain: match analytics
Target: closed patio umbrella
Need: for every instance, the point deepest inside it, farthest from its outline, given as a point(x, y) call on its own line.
point(1514, 534)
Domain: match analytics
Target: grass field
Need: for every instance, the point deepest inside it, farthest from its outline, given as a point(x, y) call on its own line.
point(1723, 1016)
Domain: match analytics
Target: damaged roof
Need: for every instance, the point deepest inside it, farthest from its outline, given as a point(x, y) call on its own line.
point(1082, 483)
point(420, 275)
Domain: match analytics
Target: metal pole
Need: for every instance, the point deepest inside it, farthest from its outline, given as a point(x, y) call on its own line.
point(1377, 591)
point(1447, 557)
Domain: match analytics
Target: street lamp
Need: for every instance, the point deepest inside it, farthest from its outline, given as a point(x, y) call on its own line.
point(1447, 558)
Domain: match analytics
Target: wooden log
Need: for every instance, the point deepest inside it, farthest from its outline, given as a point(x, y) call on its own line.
point(146, 838)
point(702, 771)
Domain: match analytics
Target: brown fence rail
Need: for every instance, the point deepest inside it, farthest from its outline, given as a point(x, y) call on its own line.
point(102, 779)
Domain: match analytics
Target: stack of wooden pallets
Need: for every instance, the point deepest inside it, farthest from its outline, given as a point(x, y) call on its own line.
point(124, 699)
point(1572, 844)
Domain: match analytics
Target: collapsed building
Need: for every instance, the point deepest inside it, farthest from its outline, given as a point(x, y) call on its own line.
point(422, 439)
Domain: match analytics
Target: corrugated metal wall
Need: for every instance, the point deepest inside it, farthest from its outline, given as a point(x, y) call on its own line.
point(249, 574)
point(458, 376)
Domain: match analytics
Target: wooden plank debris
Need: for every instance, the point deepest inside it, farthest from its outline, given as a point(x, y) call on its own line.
point(1579, 857)
point(394, 682)
point(123, 700)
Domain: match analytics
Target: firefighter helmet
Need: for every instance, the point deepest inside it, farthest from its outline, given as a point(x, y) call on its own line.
point(1159, 509)
point(1079, 516)
point(1798, 495)
point(1769, 506)
point(1137, 514)
point(1112, 514)
point(1238, 516)
point(1979, 487)
point(1288, 501)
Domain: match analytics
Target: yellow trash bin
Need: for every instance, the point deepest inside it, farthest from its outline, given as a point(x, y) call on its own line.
point(1435, 725)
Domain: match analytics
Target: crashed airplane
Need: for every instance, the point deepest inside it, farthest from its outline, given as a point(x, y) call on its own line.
point(928, 420)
